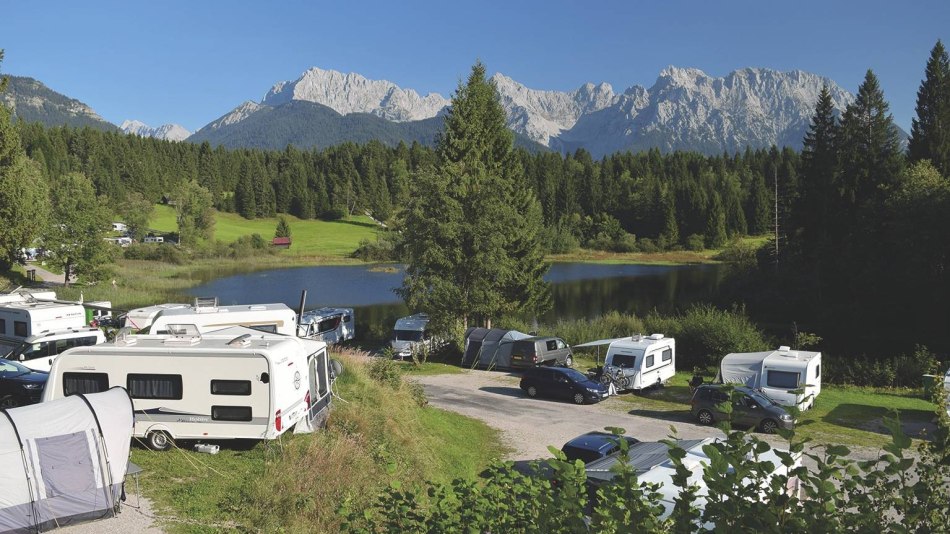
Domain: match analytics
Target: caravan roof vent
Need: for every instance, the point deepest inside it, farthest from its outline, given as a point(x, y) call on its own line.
point(125, 338)
point(206, 304)
point(656, 336)
point(240, 341)
point(183, 334)
point(784, 348)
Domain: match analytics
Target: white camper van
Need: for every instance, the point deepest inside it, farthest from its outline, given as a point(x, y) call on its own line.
point(141, 318)
point(38, 352)
point(23, 319)
point(24, 295)
point(639, 361)
point(776, 374)
point(208, 316)
point(229, 384)
point(410, 335)
point(330, 325)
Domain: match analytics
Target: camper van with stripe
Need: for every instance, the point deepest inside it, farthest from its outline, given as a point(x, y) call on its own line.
point(227, 384)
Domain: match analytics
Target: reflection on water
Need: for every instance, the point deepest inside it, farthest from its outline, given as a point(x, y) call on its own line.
point(578, 290)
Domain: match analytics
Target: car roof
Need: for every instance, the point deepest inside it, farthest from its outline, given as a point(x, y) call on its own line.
point(596, 440)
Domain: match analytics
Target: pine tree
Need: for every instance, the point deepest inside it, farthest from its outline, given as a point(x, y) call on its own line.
point(819, 168)
point(472, 231)
point(283, 228)
point(930, 131)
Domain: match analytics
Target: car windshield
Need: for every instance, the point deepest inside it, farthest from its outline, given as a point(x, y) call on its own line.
point(407, 335)
point(761, 399)
point(328, 324)
point(10, 369)
point(575, 376)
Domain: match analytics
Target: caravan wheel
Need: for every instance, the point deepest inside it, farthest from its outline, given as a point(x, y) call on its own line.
point(158, 440)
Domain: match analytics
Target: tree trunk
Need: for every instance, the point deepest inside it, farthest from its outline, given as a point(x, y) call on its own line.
point(68, 272)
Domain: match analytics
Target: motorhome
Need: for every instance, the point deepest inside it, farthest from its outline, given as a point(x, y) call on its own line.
point(234, 383)
point(24, 295)
point(788, 377)
point(26, 318)
point(411, 335)
point(330, 325)
point(639, 362)
point(208, 316)
point(38, 352)
point(141, 318)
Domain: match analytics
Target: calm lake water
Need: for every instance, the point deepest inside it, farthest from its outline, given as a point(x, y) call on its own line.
point(578, 289)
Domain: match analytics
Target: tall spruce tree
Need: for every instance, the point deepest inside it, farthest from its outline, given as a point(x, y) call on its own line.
point(819, 167)
point(472, 229)
point(930, 130)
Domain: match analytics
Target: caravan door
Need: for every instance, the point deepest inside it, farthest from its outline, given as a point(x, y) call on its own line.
point(319, 367)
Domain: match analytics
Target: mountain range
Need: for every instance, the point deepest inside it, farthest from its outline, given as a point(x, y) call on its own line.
point(684, 109)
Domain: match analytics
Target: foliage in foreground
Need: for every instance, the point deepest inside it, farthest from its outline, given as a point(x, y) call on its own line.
point(902, 490)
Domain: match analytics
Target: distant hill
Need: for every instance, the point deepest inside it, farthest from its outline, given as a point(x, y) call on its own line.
point(32, 101)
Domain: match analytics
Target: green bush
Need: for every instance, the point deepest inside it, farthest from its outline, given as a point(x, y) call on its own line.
point(386, 371)
point(559, 240)
point(696, 242)
point(704, 334)
point(901, 371)
point(648, 246)
point(381, 250)
point(164, 252)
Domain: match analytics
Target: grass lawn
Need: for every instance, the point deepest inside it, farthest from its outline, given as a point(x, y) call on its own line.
point(310, 237)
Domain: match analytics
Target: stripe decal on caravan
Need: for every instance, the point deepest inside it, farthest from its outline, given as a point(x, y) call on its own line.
point(165, 415)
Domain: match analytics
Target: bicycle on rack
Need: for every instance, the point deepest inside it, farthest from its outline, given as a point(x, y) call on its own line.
point(614, 375)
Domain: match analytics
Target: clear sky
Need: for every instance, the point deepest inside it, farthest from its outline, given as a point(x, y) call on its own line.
point(189, 62)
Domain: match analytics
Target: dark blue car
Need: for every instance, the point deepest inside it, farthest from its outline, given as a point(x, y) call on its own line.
point(594, 446)
point(20, 385)
point(561, 383)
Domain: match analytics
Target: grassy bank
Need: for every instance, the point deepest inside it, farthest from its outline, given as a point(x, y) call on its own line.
point(376, 434)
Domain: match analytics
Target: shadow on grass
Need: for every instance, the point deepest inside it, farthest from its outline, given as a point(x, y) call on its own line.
point(676, 416)
point(358, 223)
point(678, 394)
point(508, 392)
point(916, 423)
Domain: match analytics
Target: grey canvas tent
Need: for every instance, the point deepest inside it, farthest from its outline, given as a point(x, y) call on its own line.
point(63, 461)
point(489, 348)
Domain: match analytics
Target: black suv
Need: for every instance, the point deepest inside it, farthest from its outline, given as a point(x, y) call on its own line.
point(749, 407)
point(561, 383)
point(20, 385)
point(532, 351)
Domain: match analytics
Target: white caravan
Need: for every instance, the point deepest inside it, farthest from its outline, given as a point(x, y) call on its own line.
point(235, 383)
point(643, 361)
point(208, 316)
point(24, 295)
point(38, 352)
point(23, 319)
point(410, 335)
point(330, 325)
point(776, 374)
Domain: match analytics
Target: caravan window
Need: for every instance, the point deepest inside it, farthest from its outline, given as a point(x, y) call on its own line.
point(230, 413)
point(75, 383)
point(818, 371)
point(327, 325)
point(155, 386)
point(625, 361)
point(408, 335)
point(650, 360)
point(19, 328)
point(230, 387)
point(781, 379)
point(667, 355)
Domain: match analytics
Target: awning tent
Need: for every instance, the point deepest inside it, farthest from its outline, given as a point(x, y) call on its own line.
point(744, 368)
point(489, 347)
point(63, 461)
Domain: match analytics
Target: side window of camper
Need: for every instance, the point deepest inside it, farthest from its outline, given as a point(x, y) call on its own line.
point(818, 371)
point(155, 386)
point(75, 383)
point(781, 379)
point(667, 355)
point(650, 360)
point(230, 413)
point(19, 328)
point(230, 387)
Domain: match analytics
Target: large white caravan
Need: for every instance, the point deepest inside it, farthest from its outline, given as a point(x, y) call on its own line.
point(331, 325)
point(24, 295)
point(777, 374)
point(639, 361)
point(232, 383)
point(208, 316)
point(26, 318)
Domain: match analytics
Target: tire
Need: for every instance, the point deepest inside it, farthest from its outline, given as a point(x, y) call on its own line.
point(532, 391)
point(579, 398)
point(623, 382)
point(768, 426)
point(605, 379)
point(705, 417)
point(569, 361)
point(9, 402)
point(158, 440)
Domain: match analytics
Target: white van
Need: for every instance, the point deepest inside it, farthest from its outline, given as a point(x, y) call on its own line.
point(208, 316)
point(38, 352)
point(229, 384)
point(27, 318)
point(776, 373)
point(331, 325)
point(639, 361)
point(410, 335)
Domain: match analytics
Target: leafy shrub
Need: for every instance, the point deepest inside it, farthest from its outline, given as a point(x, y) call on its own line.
point(696, 242)
point(333, 214)
point(740, 253)
point(903, 370)
point(156, 252)
point(559, 240)
point(381, 250)
point(704, 334)
point(648, 246)
point(386, 371)
point(611, 324)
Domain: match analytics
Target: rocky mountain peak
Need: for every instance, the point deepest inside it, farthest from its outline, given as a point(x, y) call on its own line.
point(169, 132)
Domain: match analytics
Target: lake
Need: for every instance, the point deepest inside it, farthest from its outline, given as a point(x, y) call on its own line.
point(579, 290)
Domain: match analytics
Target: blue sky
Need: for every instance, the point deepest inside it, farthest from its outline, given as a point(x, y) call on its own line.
point(189, 62)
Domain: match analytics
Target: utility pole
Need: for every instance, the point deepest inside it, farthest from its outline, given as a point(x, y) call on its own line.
point(775, 180)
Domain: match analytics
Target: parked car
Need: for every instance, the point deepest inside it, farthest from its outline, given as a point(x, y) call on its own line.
point(562, 383)
point(748, 408)
point(20, 385)
point(532, 351)
point(594, 446)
